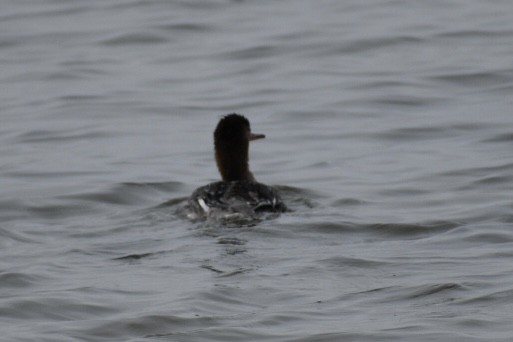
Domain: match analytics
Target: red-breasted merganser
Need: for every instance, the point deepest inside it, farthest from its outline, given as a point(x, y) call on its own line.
point(238, 192)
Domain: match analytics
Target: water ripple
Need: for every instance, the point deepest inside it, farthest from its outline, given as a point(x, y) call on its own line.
point(478, 80)
point(135, 38)
point(57, 136)
point(389, 126)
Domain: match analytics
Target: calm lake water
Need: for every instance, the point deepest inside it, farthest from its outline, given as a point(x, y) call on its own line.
point(389, 133)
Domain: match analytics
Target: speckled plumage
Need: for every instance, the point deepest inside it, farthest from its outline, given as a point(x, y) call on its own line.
point(238, 192)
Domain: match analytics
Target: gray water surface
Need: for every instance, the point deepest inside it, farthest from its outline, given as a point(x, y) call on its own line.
point(389, 134)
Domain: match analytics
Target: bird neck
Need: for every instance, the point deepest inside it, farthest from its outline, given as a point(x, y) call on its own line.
point(233, 163)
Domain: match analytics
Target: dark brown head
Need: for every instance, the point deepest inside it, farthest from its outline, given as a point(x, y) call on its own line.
point(231, 143)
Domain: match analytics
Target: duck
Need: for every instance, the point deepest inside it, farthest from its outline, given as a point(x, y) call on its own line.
point(237, 193)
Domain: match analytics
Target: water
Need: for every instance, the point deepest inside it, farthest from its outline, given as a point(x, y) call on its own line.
point(389, 134)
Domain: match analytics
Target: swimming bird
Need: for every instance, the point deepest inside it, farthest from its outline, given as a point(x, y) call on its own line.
point(238, 193)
